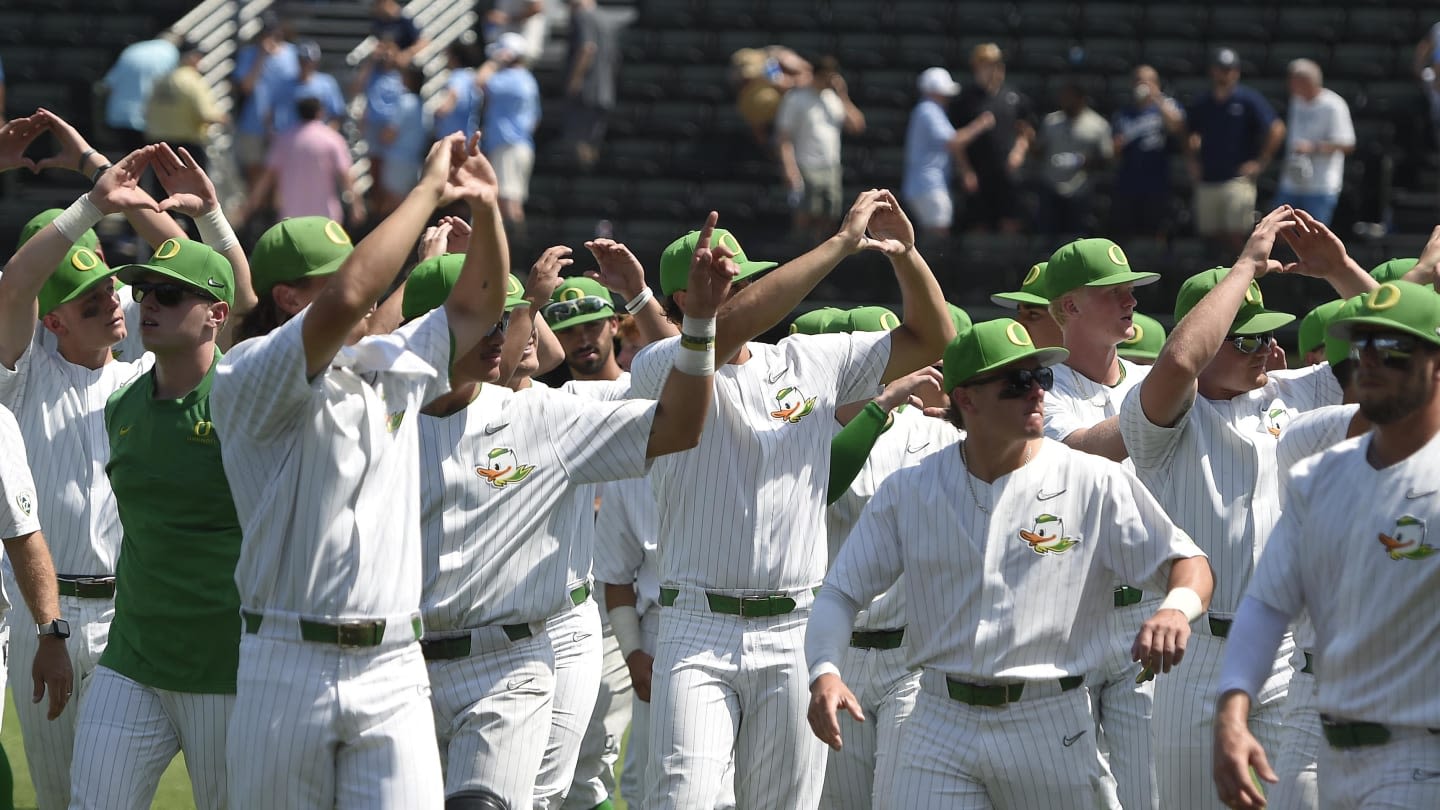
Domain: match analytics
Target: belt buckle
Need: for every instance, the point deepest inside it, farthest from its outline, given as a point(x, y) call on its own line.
point(358, 634)
point(760, 604)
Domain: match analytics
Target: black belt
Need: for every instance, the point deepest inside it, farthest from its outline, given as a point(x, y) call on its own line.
point(446, 649)
point(743, 606)
point(1220, 628)
point(878, 639)
point(364, 633)
point(87, 587)
point(1344, 734)
point(977, 695)
point(1126, 596)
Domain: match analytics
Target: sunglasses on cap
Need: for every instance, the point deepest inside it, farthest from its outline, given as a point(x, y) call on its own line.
point(558, 311)
point(1252, 344)
point(500, 326)
point(1394, 350)
point(166, 294)
point(1018, 381)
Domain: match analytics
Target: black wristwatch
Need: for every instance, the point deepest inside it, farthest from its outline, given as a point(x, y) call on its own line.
point(58, 628)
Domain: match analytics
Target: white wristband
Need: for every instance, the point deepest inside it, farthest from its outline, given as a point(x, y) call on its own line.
point(634, 305)
point(697, 347)
point(698, 327)
point(215, 230)
point(1184, 600)
point(81, 216)
point(625, 623)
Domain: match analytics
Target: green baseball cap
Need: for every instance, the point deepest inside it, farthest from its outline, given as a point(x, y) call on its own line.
point(1252, 319)
point(989, 345)
point(40, 220)
point(959, 318)
point(573, 293)
point(869, 319)
point(296, 248)
point(816, 321)
point(675, 261)
point(431, 281)
point(1393, 269)
point(1312, 326)
point(81, 270)
point(1146, 342)
point(1090, 263)
point(1337, 349)
point(193, 264)
point(1030, 292)
point(1401, 306)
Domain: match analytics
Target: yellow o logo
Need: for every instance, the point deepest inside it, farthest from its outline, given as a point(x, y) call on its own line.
point(1117, 256)
point(728, 240)
point(203, 430)
point(336, 233)
point(1016, 334)
point(513, 287)
point(168, 249)
point(794, 328)
point(1032, 276)
point(889, 321)
point(1139, 334)
point(84, 260)
point(1384, 297)
point(1252, 295)
point(571, 294)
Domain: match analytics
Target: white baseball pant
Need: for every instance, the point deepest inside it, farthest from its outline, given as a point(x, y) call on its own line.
point(1301, 742)
point(575, 636)
point(1123, 713)
point(594, 780)
point(1402, 774)
point(129, 732)
point(886, 689)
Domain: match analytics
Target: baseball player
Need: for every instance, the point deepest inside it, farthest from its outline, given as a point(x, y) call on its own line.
point(1201, 430)
point(1326, 557)
point(166, 681)
point(1010, 543)
point(1032, 308)
point(1311, 344)
point(1143, 345)
point(320, 446)
point(504, 612)
point(740, 530)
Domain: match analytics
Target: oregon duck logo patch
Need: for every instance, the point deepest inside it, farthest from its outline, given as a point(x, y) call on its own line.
point(1407, 540)
point(502, 468)
point(794, 406)
point(1047, 536)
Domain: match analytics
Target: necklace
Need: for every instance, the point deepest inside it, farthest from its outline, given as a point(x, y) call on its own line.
point(969, 476)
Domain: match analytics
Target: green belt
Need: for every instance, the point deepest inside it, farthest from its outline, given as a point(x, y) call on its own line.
point(1126, 596)
point(742, 606)
point(976, 695)
point(1220, 628)
point(577, 596)
point(1343, 734)
point(877, 639)
point(343, 634)
point(445, 649)
point(1309, 660)
point(88, 587)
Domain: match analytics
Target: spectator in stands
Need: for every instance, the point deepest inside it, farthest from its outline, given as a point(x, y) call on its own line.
point(309, 169)
point(182, 107)
point(1074, 144)
point(1233, 136)
point(761, 77)
point(312, 83)
point(403, 141)
point(990, 165)
point(459, 107)
point(807, 136)
point(379, 78)
point(388, 21)
point(264, 70)
point(1427, 69)
point(128, 86)
point(590, 66)
point(523, 17)
point(931, 143)
point(1318, 136)
point(512, 110)
point(1140, 195)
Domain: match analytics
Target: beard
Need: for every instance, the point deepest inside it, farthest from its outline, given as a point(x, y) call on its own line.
point(592, 364)
point(1391, 408)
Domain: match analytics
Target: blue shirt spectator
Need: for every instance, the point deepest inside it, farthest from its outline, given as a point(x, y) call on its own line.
point(1144, 165)
point(1232, 131)
point(320, 86)
point(411, 135)
point(464, 116)
point(512, 108)
point(382, 97)
point(131, 77)
point(278, 74)
point(927, 150)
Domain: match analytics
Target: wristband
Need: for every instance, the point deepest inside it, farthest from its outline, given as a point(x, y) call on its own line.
point(215, 230)
point(81, 216)
point(84, 156)
point(701, 328)
point(625, 624)
point(1184, 600)
point(697, 347)
point(634, 305)
point(95, 176)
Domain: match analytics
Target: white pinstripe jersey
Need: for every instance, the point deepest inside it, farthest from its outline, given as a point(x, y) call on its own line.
point(503, 500)
point(60, 408)
point(1024, 592)
point(582, 551)
point(19, 506)
point(1078, 402)
point(745, 509)
point(324, 472)
point(1215, 471)
point(1354, 549)
point(625, 535)
point(911, 438)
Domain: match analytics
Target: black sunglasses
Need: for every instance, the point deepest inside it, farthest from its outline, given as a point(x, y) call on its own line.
point(1251, 344)
point(166, 294)
point(1394, 351)
point(500, 326)
point(1019, 380)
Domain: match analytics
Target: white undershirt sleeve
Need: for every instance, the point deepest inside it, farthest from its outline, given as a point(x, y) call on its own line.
point(827, 634)
point(1250, 649)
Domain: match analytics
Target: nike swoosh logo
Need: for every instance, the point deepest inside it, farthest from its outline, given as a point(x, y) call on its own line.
point(516, 683)
point(910, 449)
point(1413, 494)
point(1069, 741)
point(1045, 496)
point(219, 285)
point(777, 375)
point(492, 429)
point(1423, 776)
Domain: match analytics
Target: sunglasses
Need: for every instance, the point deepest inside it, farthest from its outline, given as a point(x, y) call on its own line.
point(1018, 381)
point(1394, 351)
point(166, 294)
point(500, 326)
point(1252, 344)
point(558, 311)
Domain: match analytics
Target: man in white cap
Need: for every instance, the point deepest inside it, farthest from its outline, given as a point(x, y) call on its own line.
point(931, 143)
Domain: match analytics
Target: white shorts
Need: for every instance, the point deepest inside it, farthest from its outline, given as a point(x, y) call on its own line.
point(931, 209)
point(513, 162)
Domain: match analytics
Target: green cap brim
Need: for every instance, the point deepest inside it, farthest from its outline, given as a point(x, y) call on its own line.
point(1013, 300)
point(1341, 327)
point(1126, 277)
point(1137, 354)
point(130, 273)
point(1051, 356)
point(578, 319)
point(511, 303)
point(1262, 322)
point(82, 289)
point(749, 269)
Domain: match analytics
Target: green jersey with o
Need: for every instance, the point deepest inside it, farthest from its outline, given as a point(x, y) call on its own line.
point(177, 609)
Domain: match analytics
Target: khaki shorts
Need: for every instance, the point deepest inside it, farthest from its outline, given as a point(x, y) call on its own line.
point(822, 192)
point(513, 162)
point(1227, 207)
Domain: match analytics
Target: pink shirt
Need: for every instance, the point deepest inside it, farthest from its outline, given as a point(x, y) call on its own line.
point(309, 163)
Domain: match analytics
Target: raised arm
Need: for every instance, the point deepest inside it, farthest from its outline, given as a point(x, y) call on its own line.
point(622, 274)
point(477, 300)
point(540, 284)
point(192, 194)
point(1321, 254)
point(925, 328)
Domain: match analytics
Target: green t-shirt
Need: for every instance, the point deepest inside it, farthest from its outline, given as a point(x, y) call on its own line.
point(177, 611)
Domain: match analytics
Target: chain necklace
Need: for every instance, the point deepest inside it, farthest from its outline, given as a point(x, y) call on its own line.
point(969, 476)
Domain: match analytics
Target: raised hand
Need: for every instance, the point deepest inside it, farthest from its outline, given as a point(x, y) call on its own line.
point(72, 143)
point(458, 240)
point(711, 271)
point(437, 165)
point(1262, 239)
point(890, 230)
point(191, 192)
point(545, 274)
point(857, 221)
point(15, 137)
point(118, 188)
point(471, 177)
point(618, 269)
point(915, 388)
point(1319, 250)
point(433, 240)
